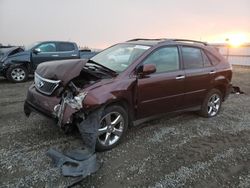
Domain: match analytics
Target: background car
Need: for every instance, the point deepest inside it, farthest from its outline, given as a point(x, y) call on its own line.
point(18, 62)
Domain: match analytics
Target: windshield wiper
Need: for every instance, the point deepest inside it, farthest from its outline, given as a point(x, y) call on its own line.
point(99, 66)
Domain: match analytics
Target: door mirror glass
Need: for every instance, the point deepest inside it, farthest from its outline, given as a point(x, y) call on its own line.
point(36, 50)
point(148, 69)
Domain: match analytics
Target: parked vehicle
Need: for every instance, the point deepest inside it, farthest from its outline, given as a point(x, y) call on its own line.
point(160, 76)
point(17, 63)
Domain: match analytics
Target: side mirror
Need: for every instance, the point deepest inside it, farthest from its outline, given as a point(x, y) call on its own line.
point(36, 50)
point(148, 69)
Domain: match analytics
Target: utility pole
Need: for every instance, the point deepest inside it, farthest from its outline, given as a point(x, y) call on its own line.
point(227, 42)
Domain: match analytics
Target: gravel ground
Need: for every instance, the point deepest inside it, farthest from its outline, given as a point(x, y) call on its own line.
point(183, 150)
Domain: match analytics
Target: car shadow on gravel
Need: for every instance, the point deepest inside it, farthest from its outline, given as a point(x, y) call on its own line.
point(4, 80)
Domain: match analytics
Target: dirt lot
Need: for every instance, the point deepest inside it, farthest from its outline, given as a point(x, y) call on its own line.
point(179, 151)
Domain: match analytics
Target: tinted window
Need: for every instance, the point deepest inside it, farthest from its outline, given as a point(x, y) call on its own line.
point(62, 47)
point(47, 47)
point(206, 61)
point(192, 57)
point(165, 59)
point(213, 59)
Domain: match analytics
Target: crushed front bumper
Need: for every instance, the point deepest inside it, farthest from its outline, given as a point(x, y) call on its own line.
point(48, 106)
point(29, 107)
point(40, 103)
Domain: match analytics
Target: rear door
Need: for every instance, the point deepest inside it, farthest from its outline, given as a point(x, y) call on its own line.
point(163, 90)
point(199, 74)
point(67, 50)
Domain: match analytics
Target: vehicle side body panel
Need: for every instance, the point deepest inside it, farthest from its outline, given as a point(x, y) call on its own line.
point(159, 93)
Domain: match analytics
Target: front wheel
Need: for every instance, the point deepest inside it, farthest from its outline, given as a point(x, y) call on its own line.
point(211, 104)
point(113, 126)
point(17, 74)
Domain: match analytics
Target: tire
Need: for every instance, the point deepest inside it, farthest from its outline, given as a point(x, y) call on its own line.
point(17, 74)
point(211, 104)
point(111, 134)
point(4, 75)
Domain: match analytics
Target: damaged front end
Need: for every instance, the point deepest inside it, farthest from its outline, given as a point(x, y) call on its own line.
point(60, 89)
point(69, 105)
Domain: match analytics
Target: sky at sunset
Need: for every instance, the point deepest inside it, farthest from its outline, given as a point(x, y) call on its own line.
point(100, 23)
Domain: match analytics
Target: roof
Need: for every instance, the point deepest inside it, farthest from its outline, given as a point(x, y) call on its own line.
point(55, 41)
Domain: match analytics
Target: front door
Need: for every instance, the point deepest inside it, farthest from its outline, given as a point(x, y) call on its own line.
point(46, 52)
point(163, 90)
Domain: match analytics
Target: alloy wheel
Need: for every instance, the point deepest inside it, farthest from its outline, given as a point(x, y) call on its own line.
point(112, 127)
point(213, 105)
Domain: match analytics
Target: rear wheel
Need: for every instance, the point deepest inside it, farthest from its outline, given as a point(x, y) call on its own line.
point(211, 104)
point(17, 74)
point(113, 126)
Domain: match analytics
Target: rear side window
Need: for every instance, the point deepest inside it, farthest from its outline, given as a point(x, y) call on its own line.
point(64, 46)
point(207, 62)
point(192, 57)
point(213, 59)
point(165, 59)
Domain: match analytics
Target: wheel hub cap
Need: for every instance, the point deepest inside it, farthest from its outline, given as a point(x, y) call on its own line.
point(18, 74)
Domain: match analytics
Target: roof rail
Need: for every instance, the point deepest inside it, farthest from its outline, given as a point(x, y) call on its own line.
point(143, 39)
point(187, 40)
point(165, 39)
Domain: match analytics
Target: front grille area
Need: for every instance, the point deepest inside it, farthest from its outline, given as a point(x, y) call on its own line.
point(44, 85)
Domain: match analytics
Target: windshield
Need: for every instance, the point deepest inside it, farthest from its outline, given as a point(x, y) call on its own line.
point(30, 46)
point(120, 56)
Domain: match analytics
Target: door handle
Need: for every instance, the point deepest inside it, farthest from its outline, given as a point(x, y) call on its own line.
point(74, 55)
point(179, 77)
point(54, 55)
point(212, 72)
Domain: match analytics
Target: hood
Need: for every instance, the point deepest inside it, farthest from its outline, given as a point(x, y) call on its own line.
point(22, 53)
point(5, 52)
point(64, 70)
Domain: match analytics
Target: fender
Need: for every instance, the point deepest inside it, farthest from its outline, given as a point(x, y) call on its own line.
point(121, 91)
point(21, 58)
point(223, 84)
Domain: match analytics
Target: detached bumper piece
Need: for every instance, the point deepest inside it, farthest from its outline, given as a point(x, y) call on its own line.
point(80, 162)
point(77, 163)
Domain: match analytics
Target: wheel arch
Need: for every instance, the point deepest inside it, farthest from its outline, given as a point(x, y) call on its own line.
point(25, 64)
point(124, 104)
point(222, 88)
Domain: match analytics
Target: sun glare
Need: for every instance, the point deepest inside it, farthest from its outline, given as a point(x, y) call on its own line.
point(237, 39)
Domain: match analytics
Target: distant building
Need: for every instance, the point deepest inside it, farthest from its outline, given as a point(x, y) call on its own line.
point(235, 55)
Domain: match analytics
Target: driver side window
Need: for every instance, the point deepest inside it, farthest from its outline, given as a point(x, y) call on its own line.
point(165, 59)
point(47, 47)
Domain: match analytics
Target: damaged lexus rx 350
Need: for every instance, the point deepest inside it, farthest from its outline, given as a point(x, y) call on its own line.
point(130, 81)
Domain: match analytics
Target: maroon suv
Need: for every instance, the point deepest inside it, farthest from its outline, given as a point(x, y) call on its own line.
point(131, 81)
